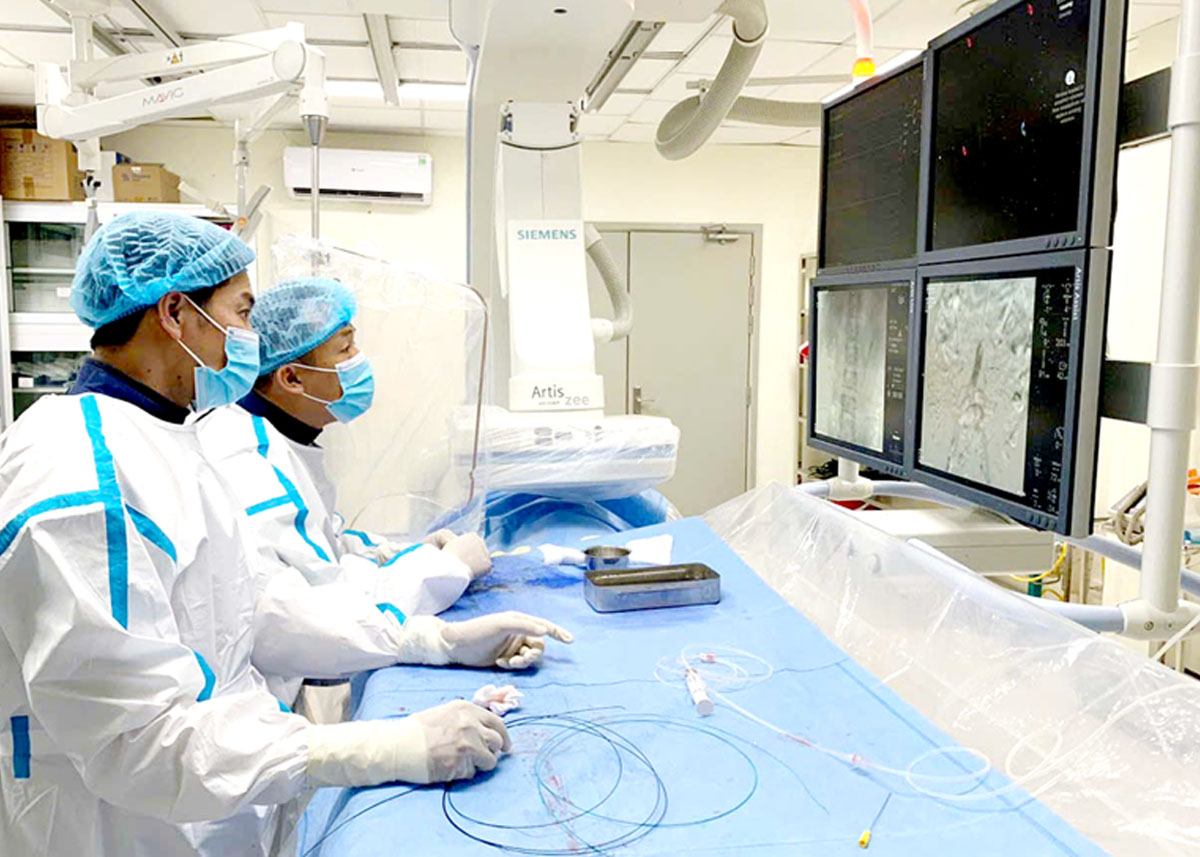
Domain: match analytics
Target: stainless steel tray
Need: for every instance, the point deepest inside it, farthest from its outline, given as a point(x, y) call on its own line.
point(647, 588)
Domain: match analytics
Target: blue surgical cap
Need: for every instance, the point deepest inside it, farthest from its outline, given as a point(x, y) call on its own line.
point(133, 261)
point(295, 316)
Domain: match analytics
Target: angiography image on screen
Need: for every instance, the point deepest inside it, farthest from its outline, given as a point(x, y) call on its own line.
point(851, 365)
point(1008, 126)
point(976, 384)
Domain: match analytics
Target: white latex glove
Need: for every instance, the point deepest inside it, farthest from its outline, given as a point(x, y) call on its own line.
point(510, 641)
point(472, 550)
point(450, 742)
point(440, 539)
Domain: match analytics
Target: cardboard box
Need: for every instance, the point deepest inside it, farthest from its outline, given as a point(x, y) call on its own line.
point(36, 167)
point(108, 160)
point(144, 183)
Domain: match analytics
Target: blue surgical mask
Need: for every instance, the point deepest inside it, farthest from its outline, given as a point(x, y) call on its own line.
point(217, 387)
point(358, 388)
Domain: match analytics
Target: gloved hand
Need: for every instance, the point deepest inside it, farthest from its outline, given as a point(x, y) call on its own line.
point(450, 742)
point(440, 539)
point(510, 641)
point(472, 550)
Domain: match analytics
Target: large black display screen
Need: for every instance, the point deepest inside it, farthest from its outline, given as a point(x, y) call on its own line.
point(871, 173)
point(1008, 127)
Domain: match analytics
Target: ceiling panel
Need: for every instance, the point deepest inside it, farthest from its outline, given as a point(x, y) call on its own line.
point(1143, 16)
point(418, 30)
point(674, 88)
point(339, 27)
point(16, 86)
point(351, 63)
point(37, 47)
point(444, 120)
point(349, 116)
point(29, 12)
point(631, 133)
point(433, 9)
point(191, 17)
point(806, 138)
point(312, 7)
point(651, 111)
point(912, 23)
point(806, 91)
point(646, 74)
point(678, 37)
point(817, 21)
point(841, 60)
point(439, 66)
point(620, 104)
point(750, 134)
point(592, 124)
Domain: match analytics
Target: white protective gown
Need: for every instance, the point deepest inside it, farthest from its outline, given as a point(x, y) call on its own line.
point(130, 711)
point(324, 611)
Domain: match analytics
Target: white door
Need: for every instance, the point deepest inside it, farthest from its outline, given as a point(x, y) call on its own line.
point(688, 357)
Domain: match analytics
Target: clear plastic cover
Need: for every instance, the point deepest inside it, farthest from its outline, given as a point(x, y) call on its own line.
point(578, 457)
point(1102, 735)
point(415, 460)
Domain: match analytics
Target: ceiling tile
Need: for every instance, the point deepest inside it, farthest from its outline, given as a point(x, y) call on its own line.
point(340, 27)
point(312, 7)
point(913, 23)
point(841, 61)
point(678, 37)
point(651, 111)
point(444, 120)
point(16, 86)
point(783, 58)
point(827, 21)
point(620, 104)
point(631, 133)
point(750, 134)
point(345, 117)
point(591, 124)
point(806, 91)
point(646, 74)
point(1142, 17)
point(436, 66)
point(37, 47)
point(417, 30)
point(805, 138)
point(674, 88)
point(29, 12)
point(188, 16)
point(707, 58)
point(431, 9)
point(351, 63)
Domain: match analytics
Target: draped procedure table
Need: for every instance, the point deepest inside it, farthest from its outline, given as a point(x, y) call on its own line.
point(609, 758)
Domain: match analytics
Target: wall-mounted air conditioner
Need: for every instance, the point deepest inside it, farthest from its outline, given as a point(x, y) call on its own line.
point(361, 174)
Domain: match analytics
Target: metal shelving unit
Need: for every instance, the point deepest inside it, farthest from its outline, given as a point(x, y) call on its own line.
point(41, 341)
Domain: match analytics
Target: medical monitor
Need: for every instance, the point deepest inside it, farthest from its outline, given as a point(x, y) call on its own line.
point(1020, 129)
point(859, 366)
point(1007, 386)
point(870, 173)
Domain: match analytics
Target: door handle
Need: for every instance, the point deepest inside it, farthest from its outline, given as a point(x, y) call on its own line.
point(639, 400)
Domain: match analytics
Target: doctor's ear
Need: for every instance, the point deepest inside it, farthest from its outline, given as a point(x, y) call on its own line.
point(289, 379)
point(169, 310)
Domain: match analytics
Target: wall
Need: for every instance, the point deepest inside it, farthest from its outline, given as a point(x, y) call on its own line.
point(627, 182)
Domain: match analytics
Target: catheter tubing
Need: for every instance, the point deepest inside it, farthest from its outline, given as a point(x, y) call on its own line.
point(1179, 317)
point(689, 124)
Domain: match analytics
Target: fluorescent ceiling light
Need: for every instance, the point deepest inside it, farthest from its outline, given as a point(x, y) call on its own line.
point(370, 90)
point(433, 91)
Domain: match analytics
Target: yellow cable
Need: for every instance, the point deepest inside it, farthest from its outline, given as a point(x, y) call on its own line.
point(1038, 578)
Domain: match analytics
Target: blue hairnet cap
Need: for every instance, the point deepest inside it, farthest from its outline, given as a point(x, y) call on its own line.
point(295, 316)
point(133, 261)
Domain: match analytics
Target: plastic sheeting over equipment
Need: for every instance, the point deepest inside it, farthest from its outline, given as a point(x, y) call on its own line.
point(1103, 736)
point(403, 466)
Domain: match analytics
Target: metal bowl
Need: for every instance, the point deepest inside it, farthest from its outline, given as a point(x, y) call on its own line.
point(606, 557)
